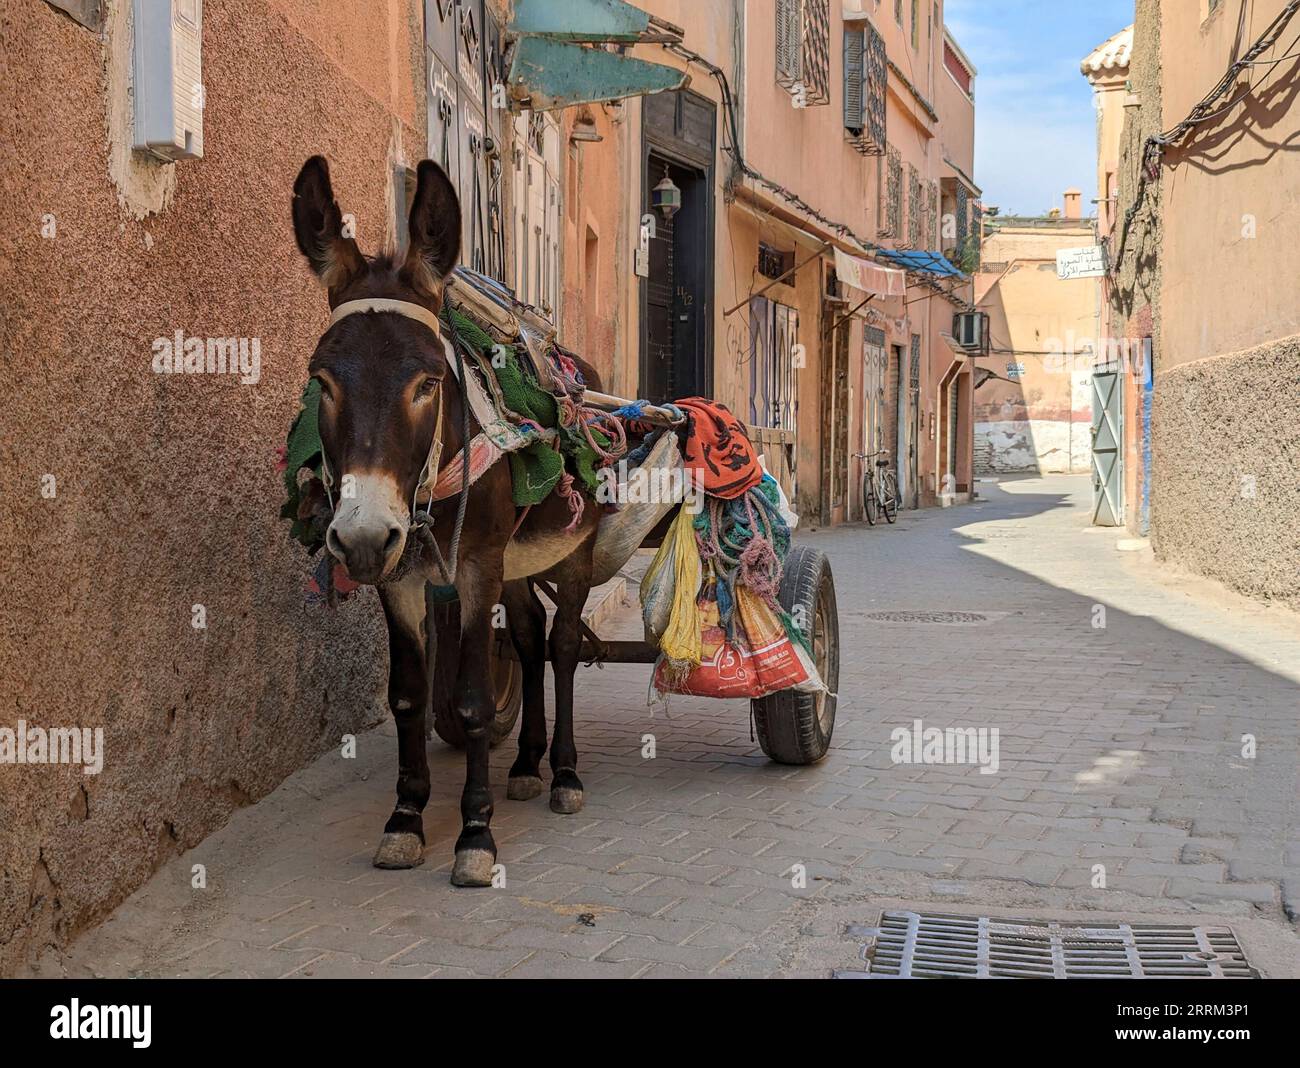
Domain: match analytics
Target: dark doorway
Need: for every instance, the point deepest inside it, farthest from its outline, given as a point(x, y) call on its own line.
point(676, 357)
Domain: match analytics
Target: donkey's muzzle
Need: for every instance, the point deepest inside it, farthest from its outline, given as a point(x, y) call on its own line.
point(367, 548)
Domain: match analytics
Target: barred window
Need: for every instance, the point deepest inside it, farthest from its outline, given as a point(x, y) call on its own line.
point(773, 338)
point(803, 49)
point(891, 194)
point(915, 207)
point(817, 51)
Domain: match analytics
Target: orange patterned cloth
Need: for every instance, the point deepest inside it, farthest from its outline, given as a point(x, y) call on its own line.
point(719, 448)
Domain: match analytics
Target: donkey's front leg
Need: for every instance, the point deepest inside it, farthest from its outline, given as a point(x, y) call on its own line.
point(408, 694)
point(478, 584)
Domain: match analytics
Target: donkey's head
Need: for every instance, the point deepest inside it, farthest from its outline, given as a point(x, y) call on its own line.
point(381, 372)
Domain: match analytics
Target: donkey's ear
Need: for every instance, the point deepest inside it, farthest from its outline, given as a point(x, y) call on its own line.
point(435, 229)
point(318, 226)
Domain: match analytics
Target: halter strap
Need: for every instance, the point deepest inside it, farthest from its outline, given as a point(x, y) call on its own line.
point(433, 461)
point(411, 310)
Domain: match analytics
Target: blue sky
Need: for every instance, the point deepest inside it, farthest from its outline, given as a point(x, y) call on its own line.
point(1035, 127)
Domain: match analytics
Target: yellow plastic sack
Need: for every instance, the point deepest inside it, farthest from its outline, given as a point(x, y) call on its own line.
point(669, 591)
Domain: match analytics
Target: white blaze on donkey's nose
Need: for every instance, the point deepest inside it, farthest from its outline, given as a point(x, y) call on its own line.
point(370, 523)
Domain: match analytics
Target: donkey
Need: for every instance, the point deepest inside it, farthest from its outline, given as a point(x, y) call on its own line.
point(387, 400)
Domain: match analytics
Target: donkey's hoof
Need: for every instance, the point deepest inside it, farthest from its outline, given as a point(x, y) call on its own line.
point(523, 787)
point(402, 850)
point(473, 868)
point(566, 800)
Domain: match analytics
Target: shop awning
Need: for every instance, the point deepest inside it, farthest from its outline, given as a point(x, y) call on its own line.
point(922, 262)
point(869, 277)
point(560, 57)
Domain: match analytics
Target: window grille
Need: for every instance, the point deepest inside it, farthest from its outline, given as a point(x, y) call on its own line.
point(915, 206)
point(817, 52)
point(891, 190)
point(803, 49)
point(775, 264)
point(773, 337)
point(931, 239)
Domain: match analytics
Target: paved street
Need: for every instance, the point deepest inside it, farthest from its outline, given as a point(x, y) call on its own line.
point(1119, 745)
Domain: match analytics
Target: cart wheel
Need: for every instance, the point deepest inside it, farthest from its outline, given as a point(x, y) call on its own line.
point(507, 678)
point(795, 727)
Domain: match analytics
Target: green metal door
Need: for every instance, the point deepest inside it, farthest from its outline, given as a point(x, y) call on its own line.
point(1107, 436)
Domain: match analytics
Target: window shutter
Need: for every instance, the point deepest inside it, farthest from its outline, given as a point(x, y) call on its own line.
point(875, 76)
point(865, 74)
point(789, 42)
point(854, 52)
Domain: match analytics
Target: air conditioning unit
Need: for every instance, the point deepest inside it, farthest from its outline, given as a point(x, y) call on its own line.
point(971, 329)
point(168, 87)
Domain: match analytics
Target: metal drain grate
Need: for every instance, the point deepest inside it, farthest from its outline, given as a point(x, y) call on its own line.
point(926, 617)
point(921, 945)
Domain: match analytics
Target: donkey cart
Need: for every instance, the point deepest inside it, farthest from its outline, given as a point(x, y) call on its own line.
point(793, 726)
point(555, 486)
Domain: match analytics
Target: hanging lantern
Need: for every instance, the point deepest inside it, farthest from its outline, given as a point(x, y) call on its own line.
point(666, 196)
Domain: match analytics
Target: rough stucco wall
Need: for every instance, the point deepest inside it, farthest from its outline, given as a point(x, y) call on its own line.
point(1224, 460)
point(1044, 446)
point(167, 495)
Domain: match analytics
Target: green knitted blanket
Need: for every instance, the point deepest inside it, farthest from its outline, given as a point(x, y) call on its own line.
point(536, 469)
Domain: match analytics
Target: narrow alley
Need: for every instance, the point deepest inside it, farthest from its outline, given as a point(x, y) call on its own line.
point(1122, 699)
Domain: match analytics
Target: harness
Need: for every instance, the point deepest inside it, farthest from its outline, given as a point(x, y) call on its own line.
point(430, 482)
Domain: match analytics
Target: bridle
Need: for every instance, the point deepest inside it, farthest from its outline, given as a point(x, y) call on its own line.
point(421, 522)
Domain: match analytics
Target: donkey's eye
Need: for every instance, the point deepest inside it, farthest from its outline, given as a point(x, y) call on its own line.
point(426, 388)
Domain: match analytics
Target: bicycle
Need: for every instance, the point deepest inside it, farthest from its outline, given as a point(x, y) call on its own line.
point(879, 488)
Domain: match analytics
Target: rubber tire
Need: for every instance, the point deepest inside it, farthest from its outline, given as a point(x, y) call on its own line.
point(444, 643)
point(869, 501)
point(891, 498)
point(787, 724)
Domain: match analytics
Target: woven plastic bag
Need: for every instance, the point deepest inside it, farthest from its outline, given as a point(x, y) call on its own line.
point(760, 659)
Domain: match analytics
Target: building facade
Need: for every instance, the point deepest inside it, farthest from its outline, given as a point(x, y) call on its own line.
point(1204, 244)
point(1032, 395)
point(808, 131)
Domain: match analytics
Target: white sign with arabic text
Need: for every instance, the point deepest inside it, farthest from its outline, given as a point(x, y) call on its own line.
point(1086, 262)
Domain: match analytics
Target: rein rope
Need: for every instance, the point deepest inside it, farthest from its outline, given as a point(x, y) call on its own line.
point(421, 520)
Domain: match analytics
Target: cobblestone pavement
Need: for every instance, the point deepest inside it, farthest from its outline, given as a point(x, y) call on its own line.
point(1119, 746)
